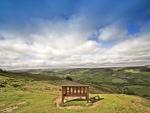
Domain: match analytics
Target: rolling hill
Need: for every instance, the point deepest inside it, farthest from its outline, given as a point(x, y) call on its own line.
point(30, 92)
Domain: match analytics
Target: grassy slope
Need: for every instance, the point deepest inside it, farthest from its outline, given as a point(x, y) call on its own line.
point(131, 80)
point(24, 94)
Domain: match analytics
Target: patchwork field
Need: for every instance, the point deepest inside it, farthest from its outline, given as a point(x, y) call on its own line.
point(129, 80)
point(22, 92)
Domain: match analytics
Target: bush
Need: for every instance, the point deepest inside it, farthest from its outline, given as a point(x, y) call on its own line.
point(69, 78)
point(128, 91)
point(15, 85)
point(1, 70)
point(3, 83)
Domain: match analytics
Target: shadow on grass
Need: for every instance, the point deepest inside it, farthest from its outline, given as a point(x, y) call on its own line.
point(81, 100)
point(77, 99)
point(75, 102)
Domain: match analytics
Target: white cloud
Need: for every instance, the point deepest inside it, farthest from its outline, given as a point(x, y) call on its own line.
point(112, 32)
point(132, 51)
point(66, 44)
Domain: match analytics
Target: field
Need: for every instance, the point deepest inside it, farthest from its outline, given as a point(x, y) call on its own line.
point(129, 80)
point(38, 91)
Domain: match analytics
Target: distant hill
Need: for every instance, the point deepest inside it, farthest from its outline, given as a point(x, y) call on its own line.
point(128, 80)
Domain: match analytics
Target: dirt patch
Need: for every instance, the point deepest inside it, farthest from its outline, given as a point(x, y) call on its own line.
point(88, 105)
point(14, 107)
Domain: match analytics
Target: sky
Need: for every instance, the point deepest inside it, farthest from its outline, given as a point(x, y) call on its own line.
point(74, 33)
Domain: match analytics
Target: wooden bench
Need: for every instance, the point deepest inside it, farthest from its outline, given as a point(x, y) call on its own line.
point(75, 91)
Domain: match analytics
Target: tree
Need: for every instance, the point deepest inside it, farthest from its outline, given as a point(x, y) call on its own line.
point(69, 78)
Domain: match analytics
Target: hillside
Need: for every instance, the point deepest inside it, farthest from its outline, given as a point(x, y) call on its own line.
point(128, 80)
point(35, 93)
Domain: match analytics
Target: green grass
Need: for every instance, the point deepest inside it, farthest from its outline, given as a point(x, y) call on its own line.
point(21, 93)
point(138, 89)
point(119, 81)
point(132, 71)
point(109, 80)
point(75, 102)
point(44, 103)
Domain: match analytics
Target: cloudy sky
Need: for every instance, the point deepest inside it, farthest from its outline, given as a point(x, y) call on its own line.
point(74, 33)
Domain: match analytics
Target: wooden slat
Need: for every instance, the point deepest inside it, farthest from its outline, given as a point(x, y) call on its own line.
point(77, 90)
point(80, 91)
point(83, 90)
point(69, 89)
point(72, 90)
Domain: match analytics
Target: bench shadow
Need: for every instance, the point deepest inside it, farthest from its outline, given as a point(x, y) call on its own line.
point(76, 99)
point(91, 100)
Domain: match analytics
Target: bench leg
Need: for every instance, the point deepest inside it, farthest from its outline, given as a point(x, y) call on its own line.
point(87, 98)
point(62, 100)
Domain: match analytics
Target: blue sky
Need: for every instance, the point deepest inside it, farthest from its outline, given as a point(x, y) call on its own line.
point(25, 10)
point(102, 12)
point(97, 33)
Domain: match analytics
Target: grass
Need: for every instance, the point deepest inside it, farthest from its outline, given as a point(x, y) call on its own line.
point(132, 71)
point(75, 102)
point(138, 89)
point(119, 81)
point(35, 95)
point(31, 94)
point(44, 103)
point(110, 80)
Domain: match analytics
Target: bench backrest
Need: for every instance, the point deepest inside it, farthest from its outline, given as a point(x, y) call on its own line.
point(81, 90)
point(75, 91)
